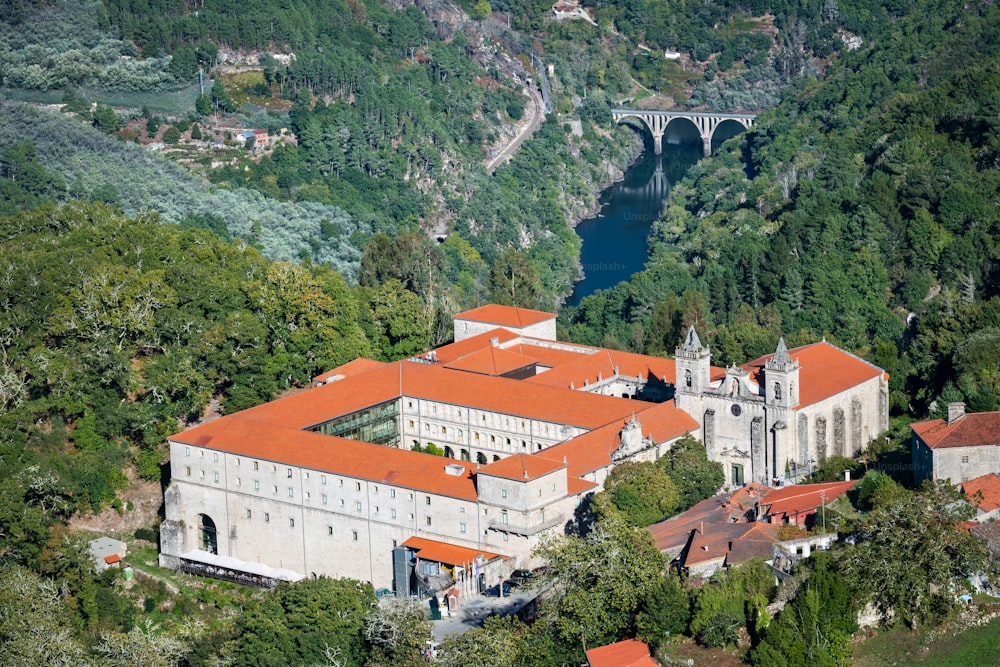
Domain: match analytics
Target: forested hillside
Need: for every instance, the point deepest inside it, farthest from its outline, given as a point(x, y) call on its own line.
point(863, 208)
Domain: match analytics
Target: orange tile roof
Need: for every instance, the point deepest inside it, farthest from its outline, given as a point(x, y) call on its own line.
point(452, 351)
point(798, 498)
point(112, 559)
point(351, 458)
point(521, 467)
point(974, 429)
point(450, 554)
point(552, 357)
point(673, 533)
point(718, 538)
point(491, 361)
point(505, 316)
point(626, 653)
point(989, 486)
point(824, 371)
point(357, 367)
point(593, 450)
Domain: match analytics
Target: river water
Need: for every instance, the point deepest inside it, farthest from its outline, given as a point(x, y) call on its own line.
point(614, 242)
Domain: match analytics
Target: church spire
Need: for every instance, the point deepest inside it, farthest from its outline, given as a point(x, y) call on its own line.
point(691, 342)
point(781, 354)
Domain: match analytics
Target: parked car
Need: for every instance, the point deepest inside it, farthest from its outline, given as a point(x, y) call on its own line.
point(494, 591)
point(521, 577)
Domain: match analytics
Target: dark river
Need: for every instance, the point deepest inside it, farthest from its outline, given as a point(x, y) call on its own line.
point(614, 242)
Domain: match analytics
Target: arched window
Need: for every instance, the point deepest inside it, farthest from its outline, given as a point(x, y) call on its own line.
point(207, 534)
point(777, 391)
point(735, 388)
point(449, 452)
point(687, 378)
point(481, 458)
point(465, 455)
point(495, 458)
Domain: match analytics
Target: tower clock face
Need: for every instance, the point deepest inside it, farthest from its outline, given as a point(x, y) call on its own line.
point(736, 410)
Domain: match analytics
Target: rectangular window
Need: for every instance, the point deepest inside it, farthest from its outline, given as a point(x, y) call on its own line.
point(506, 537)
point(410, 517)
point(354, 535)
point(215, 457)
point(188, 470)
point(392, 513)
point(428, 520)
point(291, 492)
point(289, 473)
point(461, 527)
point(274, 488)
point(308, 495)
point(392, 493)
point(322, 479)
point(341, 502)
point(325, 499)
point(291, 523)
point(267, 517)
point(187, 451)
point(357, 486)
point(256, 465)
point(239, 482)
point(249, 514)
point(965, 459)
point(427, 500)
point(737, 474)
point(461, 510)
point(202, 473)
point(357, 506)
point(503, 493)
point(329, 530)
point(256, 485)
point(216, 477)
point(375, 509)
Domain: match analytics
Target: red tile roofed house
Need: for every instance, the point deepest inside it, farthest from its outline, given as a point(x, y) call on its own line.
point(739, 507)
point(626, 653)
point(785, 411)
point(518, 320)
point(984, 493)
point(350, 369)
point(959, 448)
point(798, 503)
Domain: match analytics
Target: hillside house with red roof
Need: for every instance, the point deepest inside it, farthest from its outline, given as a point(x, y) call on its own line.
point(626, 653)
point(327, 481)
point(960, 447)
point(984, 493)
point(784, 411)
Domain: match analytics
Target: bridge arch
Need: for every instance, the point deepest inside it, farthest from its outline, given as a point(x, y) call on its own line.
point(705, 122)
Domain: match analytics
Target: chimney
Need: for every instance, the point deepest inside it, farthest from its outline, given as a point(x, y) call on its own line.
point(701, 529)
point(955, 412)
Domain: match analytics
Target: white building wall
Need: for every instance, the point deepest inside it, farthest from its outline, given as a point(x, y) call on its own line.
point(546, 329)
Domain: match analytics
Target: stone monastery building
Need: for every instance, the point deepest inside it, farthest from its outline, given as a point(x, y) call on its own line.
point(325, 482)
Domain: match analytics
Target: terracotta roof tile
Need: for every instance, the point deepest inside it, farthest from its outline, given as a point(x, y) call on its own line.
point(551, 357)
point(626, 653)
point(717, 539)
point(505, 316)
point(452, 351)
point(824, 371)
point(989, 486)
point(743, 550)
point(975, 429)
point(798, 498)
point(593, 450)
point(521, 467)
point(673, 533)
point(351, 368)
point(442, 552)
point(351, 458)
point(492, 361)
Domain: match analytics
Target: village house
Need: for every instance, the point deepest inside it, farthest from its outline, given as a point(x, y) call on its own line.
point(960, 447)
point(327, 481)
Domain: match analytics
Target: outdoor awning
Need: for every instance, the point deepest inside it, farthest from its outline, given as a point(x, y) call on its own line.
point(449, 554)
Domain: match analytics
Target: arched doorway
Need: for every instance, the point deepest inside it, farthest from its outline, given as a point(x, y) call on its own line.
point(207, 538)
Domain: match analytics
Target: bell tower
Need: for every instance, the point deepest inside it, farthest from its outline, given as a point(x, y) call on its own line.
point(781, 378)
point(693, 363)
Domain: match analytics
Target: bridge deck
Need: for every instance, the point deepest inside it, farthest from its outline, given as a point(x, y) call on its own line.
point(688, 114)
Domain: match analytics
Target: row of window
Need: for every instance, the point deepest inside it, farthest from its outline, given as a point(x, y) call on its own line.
point(522, 425)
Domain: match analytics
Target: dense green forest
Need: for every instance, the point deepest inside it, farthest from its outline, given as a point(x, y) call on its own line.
point(863, 208)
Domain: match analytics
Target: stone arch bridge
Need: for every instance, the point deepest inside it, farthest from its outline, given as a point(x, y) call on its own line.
point(705, 122)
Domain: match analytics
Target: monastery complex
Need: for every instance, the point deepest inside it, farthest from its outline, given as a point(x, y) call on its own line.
point(326, 482)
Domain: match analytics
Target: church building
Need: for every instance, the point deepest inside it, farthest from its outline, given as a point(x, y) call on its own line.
point(334, 480)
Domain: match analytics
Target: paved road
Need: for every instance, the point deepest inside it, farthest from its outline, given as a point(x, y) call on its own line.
point(472, 612)
point(538, 111)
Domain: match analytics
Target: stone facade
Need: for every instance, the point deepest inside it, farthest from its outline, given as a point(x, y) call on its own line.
point(755, 422)
point(959, 448)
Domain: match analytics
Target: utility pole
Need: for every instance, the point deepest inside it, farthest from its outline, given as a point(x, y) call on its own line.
point(822, 498)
